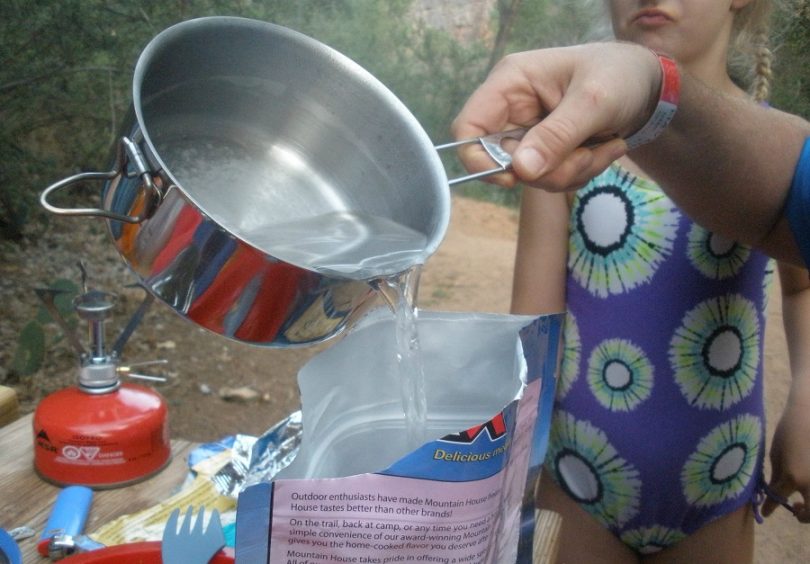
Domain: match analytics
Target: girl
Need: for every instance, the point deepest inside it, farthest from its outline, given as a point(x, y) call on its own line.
point(657, 439)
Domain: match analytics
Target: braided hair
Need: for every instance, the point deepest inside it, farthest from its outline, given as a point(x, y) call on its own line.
point(750, 58)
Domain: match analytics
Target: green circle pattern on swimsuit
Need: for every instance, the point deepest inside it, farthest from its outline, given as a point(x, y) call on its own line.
point(619, 374)
point(649, 540)
point(569, 366)
point(723, 463)
point(619, 237)
point(715, 352)
point(715, 256)
point(591, 471)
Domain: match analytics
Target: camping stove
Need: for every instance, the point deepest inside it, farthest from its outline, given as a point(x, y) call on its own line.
point(100, 433)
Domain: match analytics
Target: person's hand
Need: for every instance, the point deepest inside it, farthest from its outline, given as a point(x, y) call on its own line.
point(571, 95)
point(790, 460)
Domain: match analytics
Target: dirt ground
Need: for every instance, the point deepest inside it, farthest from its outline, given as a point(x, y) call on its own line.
point(470, 272)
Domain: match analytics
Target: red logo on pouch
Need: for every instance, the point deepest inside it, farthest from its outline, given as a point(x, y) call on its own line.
point(495, 428)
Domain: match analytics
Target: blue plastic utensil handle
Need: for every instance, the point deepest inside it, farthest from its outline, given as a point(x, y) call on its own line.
point(69, 512)
point(9, 551)
point(253, 524)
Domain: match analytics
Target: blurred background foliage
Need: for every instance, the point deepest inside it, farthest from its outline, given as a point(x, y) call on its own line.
point(791, 40)
point(66, 67)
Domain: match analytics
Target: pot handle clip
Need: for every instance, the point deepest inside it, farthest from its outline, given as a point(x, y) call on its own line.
point(492, 145)
point(127, 153)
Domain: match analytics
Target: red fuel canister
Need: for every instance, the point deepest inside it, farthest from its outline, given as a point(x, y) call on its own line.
point(100, 433)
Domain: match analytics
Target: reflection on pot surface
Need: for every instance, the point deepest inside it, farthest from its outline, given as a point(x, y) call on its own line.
point(229, 287)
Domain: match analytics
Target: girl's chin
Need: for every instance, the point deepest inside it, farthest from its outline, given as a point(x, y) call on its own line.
point(649, 38)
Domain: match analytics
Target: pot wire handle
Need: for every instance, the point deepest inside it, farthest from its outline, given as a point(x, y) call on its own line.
point(127, 151)
point(492, 145)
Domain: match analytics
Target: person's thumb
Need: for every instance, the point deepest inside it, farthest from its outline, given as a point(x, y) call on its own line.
point(546, 145)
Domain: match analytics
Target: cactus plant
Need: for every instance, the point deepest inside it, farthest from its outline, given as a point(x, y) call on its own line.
point(32, 342)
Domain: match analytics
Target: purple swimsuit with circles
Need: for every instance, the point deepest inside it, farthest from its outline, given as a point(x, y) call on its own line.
point(659, 419)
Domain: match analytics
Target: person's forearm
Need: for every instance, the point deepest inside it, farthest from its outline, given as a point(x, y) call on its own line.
point(538, 284)
point(795, 286)
point(735, 161)
point(790, 460)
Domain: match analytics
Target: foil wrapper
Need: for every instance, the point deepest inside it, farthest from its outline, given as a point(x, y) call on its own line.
point(259, 459)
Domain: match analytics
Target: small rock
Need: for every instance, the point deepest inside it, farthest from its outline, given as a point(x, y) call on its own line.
point(243, 394)
point(130, 293)
point(205, 389)
point(167, 345)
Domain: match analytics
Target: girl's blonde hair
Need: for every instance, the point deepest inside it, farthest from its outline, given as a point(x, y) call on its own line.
point(750, 56)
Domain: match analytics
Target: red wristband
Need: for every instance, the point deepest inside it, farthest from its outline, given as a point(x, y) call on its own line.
point(666, 107)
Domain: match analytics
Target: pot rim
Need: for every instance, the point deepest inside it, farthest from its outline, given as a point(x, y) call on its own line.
point(427, 152)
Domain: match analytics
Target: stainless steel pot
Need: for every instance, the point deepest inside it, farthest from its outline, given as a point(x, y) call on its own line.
point(264, 179)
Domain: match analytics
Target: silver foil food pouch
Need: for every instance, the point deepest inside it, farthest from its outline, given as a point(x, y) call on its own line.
point(355, 491)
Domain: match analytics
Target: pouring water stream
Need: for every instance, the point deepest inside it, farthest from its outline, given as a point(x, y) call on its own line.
point(399, 292)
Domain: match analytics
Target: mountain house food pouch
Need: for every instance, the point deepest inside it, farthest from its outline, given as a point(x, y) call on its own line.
point(356, 492)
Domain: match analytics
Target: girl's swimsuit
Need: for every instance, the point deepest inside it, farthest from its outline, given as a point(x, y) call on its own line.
point(658, 427)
